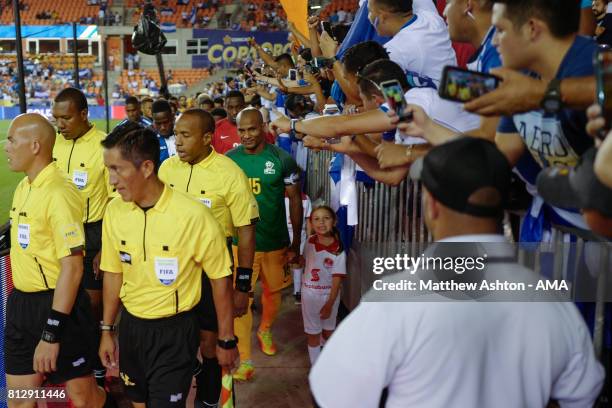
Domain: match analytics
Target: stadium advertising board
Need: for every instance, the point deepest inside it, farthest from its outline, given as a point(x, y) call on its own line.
point(225, 46)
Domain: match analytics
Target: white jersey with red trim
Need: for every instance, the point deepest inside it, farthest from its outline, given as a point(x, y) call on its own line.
point(322, 264)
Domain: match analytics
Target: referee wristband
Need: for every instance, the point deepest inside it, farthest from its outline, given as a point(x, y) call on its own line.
point(243, 279)
point(54, 326)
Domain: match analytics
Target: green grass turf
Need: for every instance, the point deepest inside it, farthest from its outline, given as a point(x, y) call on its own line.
point(8, 179)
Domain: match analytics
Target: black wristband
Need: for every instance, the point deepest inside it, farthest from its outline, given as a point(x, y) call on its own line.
point(243, 279)
point(228, 344)
point(54, 326)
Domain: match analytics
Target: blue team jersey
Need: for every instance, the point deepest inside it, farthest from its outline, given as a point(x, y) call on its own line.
point(555, 139)
point(144, 122)
point(486, 56)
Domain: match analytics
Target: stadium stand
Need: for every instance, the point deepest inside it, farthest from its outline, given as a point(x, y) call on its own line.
point(58, 12)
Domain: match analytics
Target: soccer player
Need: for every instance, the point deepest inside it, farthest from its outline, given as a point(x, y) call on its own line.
point(226, 134)
point(271, 172)
point(163, 123)
point(78, 153)
point(147, 107)
point(134, 113)
point(195, 170)
point(48, 313)
point(156, 243)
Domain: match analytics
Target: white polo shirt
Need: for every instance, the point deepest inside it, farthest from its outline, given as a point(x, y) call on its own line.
point(442, 354)
point(447, 113)
point(422, 48)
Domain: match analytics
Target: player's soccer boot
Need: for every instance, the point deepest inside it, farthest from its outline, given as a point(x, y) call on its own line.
point(298, 298)
point(265, 342)
point(245, 371)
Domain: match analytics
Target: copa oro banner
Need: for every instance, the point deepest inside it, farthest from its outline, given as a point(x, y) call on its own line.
point(297, 13)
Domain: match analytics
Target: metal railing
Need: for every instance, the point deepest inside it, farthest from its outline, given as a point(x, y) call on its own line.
point(391, 222)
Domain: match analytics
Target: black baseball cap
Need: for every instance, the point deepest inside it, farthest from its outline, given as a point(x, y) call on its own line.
point(576, 187)
point(452, 172)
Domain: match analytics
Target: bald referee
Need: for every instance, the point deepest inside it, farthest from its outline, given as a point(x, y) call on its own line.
point(156, 242)
point(48, 313)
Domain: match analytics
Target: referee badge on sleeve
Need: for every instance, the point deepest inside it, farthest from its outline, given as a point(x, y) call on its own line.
point(72, 236)
point(166, 270)
point(23, 235)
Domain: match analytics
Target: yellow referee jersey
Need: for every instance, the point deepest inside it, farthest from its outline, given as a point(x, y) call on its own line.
point(46, 226)
point(218, 183)
point(161, 253)
point(83, 163)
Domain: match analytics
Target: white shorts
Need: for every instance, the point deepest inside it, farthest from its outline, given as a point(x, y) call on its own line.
point(311, 310)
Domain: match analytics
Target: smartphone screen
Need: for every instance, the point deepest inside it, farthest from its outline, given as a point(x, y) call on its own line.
point(603, 75)
point(461, 85)
point(293, 75)
point(326, 26)
point(394, 94)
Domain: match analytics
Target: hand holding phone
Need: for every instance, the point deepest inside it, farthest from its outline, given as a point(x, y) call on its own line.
point(394, 94)
point(461, 85)
point(292, 75)
point(327, 27)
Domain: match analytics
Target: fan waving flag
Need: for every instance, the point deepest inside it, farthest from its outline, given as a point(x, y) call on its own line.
point(297, 13)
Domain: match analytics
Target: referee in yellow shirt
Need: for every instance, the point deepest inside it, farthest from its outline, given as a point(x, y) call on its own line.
point(48, 314)
point(79, 154)
point(218, 183)
point(156, 243)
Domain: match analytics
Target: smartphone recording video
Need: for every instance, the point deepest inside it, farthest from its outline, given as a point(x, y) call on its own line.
point(293, 74)
point(394, 94)
point(461, 85)
point(603, 76)
point(327, 27)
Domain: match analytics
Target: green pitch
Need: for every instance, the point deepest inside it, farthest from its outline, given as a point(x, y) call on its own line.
point(8, 179)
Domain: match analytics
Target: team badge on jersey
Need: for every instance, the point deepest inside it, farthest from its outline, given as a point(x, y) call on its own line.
point(23, 235)
point(269, 168)
point(328, 262)
point(166, 270)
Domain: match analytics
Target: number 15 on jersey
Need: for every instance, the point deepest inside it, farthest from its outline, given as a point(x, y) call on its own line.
point(255, 185)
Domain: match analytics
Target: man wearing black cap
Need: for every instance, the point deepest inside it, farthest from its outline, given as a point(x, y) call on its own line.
point(430, 351)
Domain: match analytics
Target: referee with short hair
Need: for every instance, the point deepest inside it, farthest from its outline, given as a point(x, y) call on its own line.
point(78, 153)
point(195, 170)
point(48, 314)
point(156, 242)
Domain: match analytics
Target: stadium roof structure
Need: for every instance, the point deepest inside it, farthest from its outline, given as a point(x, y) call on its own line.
point(84, 32)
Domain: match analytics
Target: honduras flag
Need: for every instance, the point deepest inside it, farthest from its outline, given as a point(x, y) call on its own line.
point(361, 30)
point(168, 27)
point(193, 16)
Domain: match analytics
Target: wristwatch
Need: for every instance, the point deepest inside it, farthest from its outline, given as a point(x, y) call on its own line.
point(228, 344)
point(107, 327)
point(552, 101)
point(292, 124)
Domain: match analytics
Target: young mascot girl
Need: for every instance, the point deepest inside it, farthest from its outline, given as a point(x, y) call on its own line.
point(325, 266)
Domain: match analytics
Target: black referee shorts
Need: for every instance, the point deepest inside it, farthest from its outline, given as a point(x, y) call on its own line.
point(26, 316)
point(93, 244)
point(205, 310)
point(157, 357)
